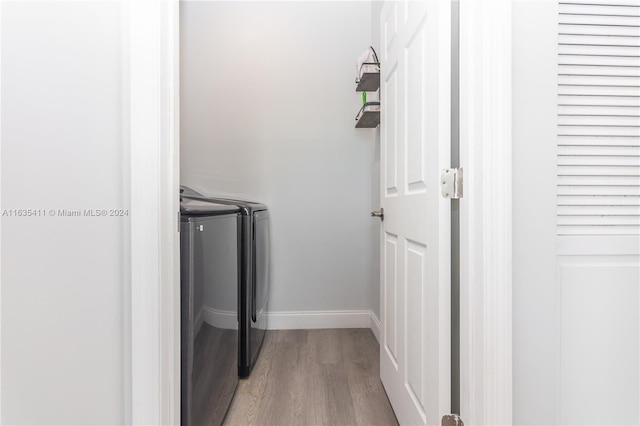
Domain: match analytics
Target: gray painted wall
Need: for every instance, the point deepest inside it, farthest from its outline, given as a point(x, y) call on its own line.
point(376, 8)
point(268, 107)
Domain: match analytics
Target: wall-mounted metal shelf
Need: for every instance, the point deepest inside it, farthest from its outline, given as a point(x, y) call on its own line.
point(369, 116)
point(369, 78)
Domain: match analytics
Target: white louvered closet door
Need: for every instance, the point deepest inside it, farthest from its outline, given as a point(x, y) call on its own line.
point(598, 211)
point(576, 212)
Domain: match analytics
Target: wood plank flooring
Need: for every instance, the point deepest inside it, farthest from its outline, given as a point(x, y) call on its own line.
point(314, 377)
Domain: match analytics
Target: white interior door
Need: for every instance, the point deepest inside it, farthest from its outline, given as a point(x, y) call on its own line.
point(576, 246)
point(415, 255)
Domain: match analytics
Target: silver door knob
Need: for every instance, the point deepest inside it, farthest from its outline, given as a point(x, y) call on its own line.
point(378, 213)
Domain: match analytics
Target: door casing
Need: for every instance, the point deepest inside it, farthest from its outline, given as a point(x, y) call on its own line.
point(485, 212)
point(152, 346)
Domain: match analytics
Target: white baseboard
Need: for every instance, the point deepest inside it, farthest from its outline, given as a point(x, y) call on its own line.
point(294, 320)
point(375, 326)
point(198, 321)
point(227, 320)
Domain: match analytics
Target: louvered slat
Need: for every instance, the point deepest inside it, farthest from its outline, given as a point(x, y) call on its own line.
point(591, 140)
point(577, 201)
point(581, 89)
point(595, 130)
point(621, 102)
point(599, 110)
point(576, 154)
point(606, 80)
point(585, 161)
point(602, 190)
point(594, 17)
point(608, 220)
point(630, 210)
point(598, 39)
point(595, 120)
point(628, 181)
point(596, 30)
point(591, 230)
point(567, 58)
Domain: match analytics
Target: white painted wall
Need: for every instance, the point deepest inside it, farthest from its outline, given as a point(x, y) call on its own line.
point(62, 277)
point(268, 108)
point(534, 242)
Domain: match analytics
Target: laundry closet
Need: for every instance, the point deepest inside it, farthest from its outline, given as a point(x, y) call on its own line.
point(267, 113)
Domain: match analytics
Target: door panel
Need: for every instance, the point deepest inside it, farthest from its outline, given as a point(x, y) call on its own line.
point(390, 129)
point(415, 273)
point(415, 119)
point(599, 329)
point(390, 282)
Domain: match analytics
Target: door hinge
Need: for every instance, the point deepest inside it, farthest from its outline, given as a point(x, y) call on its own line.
point(451, 183)
point(452, 420)
point(179, 217)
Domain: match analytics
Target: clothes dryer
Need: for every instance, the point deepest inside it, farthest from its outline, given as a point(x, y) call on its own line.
point(209, 254)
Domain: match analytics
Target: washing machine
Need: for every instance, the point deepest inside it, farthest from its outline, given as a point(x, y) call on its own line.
point(255, 235)
point(209, 284)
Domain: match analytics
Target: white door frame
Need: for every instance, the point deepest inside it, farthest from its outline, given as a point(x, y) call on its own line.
point(152, 33)
point(485, 212)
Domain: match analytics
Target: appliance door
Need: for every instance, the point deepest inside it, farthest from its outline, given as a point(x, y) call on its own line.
point(209, 317)
point(260, 281)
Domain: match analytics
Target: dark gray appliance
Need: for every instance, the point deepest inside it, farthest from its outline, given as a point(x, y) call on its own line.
point(254, 275)
point(254, 278)
point(209, 253)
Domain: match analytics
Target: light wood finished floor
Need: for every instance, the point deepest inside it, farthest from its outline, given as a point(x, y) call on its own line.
point(314, 377)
